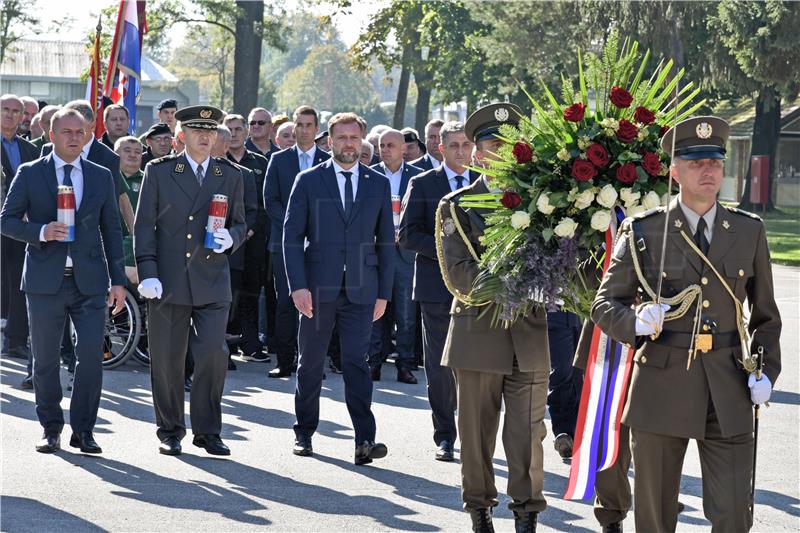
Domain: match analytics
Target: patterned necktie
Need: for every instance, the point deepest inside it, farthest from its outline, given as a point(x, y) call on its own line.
point(348, 194)
point(200, 174)
point(67, 178)
point(459, 182)
point(700, 236)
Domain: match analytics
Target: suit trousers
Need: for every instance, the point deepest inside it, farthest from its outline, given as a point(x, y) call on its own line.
point(47, 314)
point(252, 280)
point(171, 331)
point(405, 316)
point(441, 380)
point(564, 394)
point(13, 258)
point(479, 402)
point(285, 343)
point(726, 464)
point(354, 323)
point(612, 488)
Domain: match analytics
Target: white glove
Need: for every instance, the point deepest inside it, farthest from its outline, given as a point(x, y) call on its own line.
point(222, 237)
point(760, 390)
point(150, 288)
point(650, 318)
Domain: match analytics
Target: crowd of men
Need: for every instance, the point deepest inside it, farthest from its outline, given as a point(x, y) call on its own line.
point(332, 248)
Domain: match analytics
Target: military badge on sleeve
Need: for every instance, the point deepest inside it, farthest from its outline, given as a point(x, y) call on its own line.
point(448, 226)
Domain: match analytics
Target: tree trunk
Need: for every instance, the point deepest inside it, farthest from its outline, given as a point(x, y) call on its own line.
point(402, 87)
point(766, 134)
point(247, 55)
point(424, 79)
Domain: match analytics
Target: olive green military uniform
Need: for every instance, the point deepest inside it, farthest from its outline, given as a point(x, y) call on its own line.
point(492, 365)
point(129, 185)
point(667, 404)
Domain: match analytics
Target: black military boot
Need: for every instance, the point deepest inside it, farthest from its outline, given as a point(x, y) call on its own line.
point(525, 521)
point(481, 520)
point(614, 527)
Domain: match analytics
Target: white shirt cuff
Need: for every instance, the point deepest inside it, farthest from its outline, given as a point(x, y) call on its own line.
point(41, 234)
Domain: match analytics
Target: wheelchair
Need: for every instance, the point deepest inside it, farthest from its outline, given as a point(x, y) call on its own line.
point(126, 333)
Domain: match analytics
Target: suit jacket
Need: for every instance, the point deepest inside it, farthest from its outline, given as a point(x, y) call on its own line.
point(237, 259)
point(100, 154)
point(27, 151)
point(170, 226)
point(473, 343)
point(425, 163)
point(417, 227)
point(409, 172)
point(256, 245)
point(664, 396)
point(96, 251)
point(359, 249)
point(281, 172)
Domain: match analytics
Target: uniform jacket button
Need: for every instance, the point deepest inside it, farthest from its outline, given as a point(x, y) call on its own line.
point(741, 273)
point(188, 254)
point(706, 303)
point(458, 309)
point(189, 236)
point(644, 359)
point(191, 217)
point(704, 280)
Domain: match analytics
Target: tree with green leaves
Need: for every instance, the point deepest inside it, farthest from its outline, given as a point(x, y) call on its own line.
point(15, 15)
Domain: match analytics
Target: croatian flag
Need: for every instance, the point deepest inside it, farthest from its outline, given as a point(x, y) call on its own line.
point(123, 81)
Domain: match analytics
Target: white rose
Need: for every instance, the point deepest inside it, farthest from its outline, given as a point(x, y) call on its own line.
point(573, 193)
point(566, 228)
point(520, 220)
point(563, 154)
point(634, 210)
point(601, 220)
point(584, 199)
point(651, 200)
point(629, 197)
point(607, 196)
point(543, 204)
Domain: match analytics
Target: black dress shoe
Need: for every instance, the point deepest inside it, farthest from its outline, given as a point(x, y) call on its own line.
point(614, 527)
point(481, 520)
point(231, 365)
point(369, 450)
point(525, 521)
point(404, 376)
point(212, 444)
point(26, 384)
point(50, 443)
point(563, 445)
point(85, 441)
point(170, 446)
point(375, 372)
point(18, 352)
point(279, 372)
point(681, 507)
point(445, 451)
point(302, 447)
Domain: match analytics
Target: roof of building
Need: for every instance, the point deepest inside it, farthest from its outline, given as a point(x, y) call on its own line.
point(64, 59)
point(741, 114)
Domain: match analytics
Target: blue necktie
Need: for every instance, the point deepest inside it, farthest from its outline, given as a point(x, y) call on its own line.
point(459, 182)
point(304, 162)
point(67, 179)
point(348, 194)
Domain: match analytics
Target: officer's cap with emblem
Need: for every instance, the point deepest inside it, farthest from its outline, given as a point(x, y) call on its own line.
point(485, 122)
point(698, 138)
point(156, 129)
point(203, 117)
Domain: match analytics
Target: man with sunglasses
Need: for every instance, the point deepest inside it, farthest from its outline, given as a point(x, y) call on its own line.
point(258, 141)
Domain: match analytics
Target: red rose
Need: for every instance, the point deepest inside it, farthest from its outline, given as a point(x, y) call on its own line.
point(644, 115)
point(651, 163)
point(662, 131)
point(627, 131)
point(583, 170)
point(620, 97)
point(598, 155)
point(523, 152)
point(575, 112)
point(511, 200)
point(627, 173)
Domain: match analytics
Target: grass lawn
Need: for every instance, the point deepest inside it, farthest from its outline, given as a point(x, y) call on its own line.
point(783, 234)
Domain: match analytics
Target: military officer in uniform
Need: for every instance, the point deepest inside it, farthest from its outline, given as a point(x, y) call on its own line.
point(188, 285)
point(693, 374)
point(493, 365)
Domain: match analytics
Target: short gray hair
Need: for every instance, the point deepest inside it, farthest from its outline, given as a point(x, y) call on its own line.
point(224, 132)
point(256, 110)
point(450, 128)
point(126, 139)
point(367, 144)
point(29, 100)
point(83, 107)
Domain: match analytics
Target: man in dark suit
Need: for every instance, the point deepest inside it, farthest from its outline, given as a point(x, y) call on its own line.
point(398, 173)
point(433, 157)
point(71, 279)
point(260, 132)
point(15, 152)
point(188, 285)
point(117, 122)
point(281, 172)
point(417, 226)
point(342, 209)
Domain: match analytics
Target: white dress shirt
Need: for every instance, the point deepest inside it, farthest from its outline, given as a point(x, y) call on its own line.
point(86, 148)
point(395, 178)
point(76, 176)
point(451, 177)
point(694, 218)
point(340, 180)
point(194, 164)
point(311, 153)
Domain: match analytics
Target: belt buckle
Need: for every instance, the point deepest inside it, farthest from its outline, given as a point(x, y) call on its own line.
point(703, 342)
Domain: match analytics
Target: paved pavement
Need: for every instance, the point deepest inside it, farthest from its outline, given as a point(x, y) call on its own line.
point(262, 486)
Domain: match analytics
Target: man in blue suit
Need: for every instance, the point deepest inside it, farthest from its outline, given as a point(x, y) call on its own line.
point(342, 209)
point(399, 173)
point(62, 279)
point(281, 172)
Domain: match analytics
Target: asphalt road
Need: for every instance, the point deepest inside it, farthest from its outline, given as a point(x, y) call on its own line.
point(262, 486)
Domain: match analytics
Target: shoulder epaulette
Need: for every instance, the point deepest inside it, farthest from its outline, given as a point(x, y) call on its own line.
point(649, 212)
point(226, 161)
point(168, 157)
point(741, 212)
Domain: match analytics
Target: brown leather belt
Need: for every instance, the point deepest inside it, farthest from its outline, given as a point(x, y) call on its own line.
point(705, 341)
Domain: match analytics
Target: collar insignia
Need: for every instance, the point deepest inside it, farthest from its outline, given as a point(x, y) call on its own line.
point(678, 223)
point(217, 171)
point(726, 224)
point(179, 168)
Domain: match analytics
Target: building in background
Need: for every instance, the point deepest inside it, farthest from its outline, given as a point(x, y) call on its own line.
point(51, 71)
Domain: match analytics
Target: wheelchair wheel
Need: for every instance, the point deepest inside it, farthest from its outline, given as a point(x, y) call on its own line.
point(122, 333)
point(141, 352)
